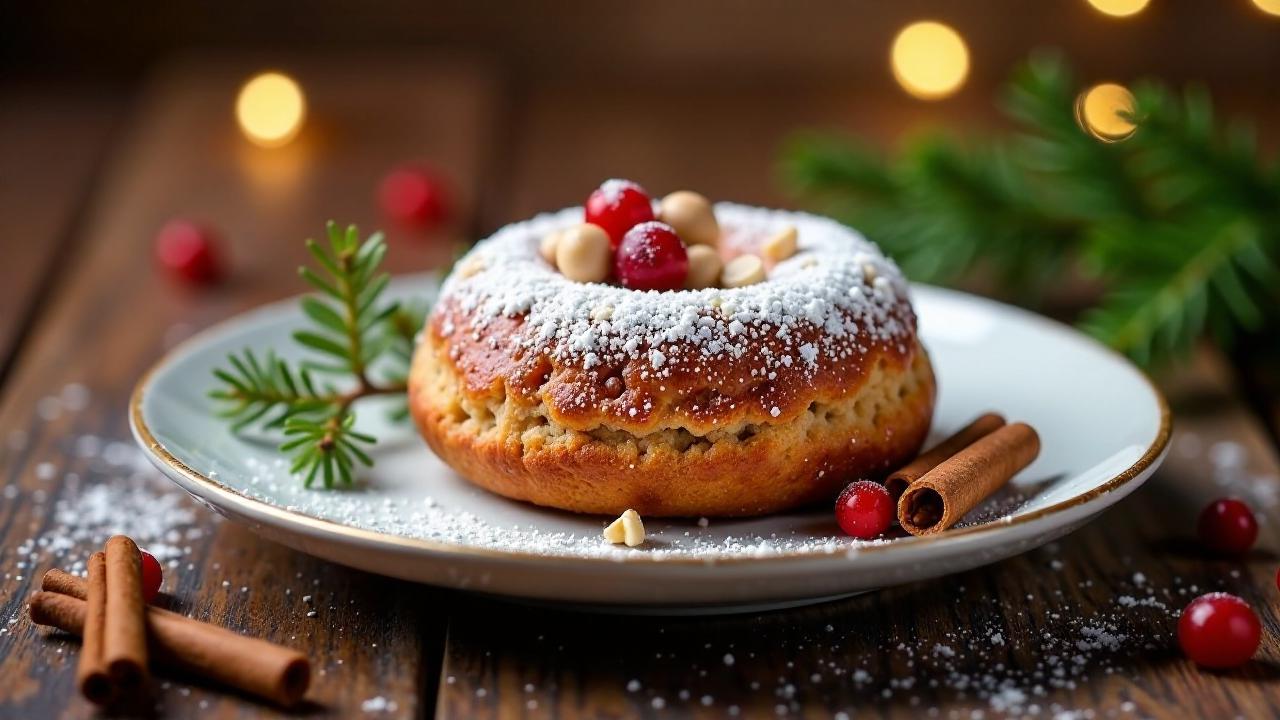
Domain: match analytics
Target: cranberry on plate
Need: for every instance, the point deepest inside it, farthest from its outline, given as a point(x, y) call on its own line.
point(865, 509)
point(617, 206)
point(651, 257)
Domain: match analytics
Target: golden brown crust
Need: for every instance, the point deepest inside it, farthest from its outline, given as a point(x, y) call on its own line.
point(695, 392)
point(512, 443)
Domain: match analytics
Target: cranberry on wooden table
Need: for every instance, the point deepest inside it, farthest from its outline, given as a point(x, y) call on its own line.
point(1219, 631)
point(187, 251)
point(651, 257)
point(415, 197)
point(152, 576)
point(865, 509)
point(617, 206)
point(1227, 526)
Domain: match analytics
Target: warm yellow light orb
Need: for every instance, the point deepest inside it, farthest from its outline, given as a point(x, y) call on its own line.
point(1098, 111)
point(930, 60)
point(1271, 7)
point(1119, 8)
point(270, 109)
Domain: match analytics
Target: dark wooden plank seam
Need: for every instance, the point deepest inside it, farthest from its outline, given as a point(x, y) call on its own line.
point(68, 239)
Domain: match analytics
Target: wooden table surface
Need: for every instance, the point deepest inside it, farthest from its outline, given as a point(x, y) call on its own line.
point(1084, 625)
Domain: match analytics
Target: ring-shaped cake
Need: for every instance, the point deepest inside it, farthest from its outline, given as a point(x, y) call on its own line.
point(593, 398)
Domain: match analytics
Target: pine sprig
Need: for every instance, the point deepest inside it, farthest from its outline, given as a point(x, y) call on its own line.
point(1193, 278)
point(254, 388)
point(355, 335)
point(1179, 223)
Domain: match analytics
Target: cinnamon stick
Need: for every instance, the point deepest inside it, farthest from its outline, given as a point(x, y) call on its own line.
point(91, 673)
point(943, 495)
point(897, 482)
point(254, 666)
point(64, 583)
point(124, 636)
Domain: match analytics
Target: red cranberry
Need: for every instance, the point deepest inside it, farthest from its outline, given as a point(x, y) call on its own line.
point(151, 576)
point(187, 251)
point(865, 509)
point(617, 206)
point(1219, 631)
point(414, 197)
point(651, 257)
point(1227, 526)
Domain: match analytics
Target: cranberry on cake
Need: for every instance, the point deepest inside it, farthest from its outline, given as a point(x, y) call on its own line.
point(674, 358)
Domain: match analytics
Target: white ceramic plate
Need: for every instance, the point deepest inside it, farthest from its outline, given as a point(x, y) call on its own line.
point(1104, 430)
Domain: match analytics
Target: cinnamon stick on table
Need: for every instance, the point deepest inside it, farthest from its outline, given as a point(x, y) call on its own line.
point(254, 666)
point(91, 674)
point(124, 636)
point(897, 482)
point(943, 495)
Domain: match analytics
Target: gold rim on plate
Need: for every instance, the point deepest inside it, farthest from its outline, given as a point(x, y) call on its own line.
point(248, 505)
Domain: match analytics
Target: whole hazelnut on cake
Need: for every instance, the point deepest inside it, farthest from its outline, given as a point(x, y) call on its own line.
point(583, 254)
point(691, 216)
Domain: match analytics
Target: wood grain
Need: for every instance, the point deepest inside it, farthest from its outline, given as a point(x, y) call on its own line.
point(112, 315)
point(722, 141)
point(52, 143)
point(986, 641)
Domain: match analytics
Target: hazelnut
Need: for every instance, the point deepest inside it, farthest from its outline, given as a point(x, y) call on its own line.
point(780, 246)
point(741, 271)
point(628, 528)
point(704, 267)
point(547, 248)
point(691, 216)
point(583, 253)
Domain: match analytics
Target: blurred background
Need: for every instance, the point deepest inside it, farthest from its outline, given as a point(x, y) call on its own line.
point(442, 121)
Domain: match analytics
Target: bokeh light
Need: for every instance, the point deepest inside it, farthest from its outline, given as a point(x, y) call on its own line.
point(1271, 7)
point(1119, 8)
point(930, 60)
point(1098, 111)
point(270, 109)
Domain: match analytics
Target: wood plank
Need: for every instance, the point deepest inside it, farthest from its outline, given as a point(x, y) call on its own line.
point(52, 143)
point(723, 141)
point(372, 639)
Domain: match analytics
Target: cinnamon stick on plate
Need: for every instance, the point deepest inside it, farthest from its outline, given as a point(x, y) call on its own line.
point(897, 482)
point(254, 666)
point(124, 636)
point(943, 495)
point(91, 674)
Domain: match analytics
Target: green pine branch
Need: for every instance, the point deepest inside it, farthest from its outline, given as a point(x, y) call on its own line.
point(1179, 223)
point(361, 341)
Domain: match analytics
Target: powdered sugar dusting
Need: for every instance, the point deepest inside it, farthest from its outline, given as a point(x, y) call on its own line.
point(837, 283)
point(612, 188)
point(113, 491)
point(428, 518)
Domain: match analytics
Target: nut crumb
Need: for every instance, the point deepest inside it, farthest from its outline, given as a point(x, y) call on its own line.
point(628, 528)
